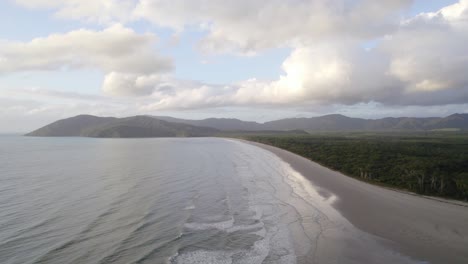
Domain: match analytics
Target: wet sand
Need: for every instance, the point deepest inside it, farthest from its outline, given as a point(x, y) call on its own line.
point(430, 230)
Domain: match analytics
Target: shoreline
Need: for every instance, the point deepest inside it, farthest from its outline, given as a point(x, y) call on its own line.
point(425, 228)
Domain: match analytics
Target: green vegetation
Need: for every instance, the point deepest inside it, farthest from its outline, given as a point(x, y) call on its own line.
point(432, 163)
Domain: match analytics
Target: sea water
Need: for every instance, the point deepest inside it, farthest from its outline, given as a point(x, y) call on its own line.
point(167, 200)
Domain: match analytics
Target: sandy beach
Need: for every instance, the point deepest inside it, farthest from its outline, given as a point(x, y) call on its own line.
point(430, 230)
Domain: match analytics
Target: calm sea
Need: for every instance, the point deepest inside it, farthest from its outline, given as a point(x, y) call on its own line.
point(207, 200)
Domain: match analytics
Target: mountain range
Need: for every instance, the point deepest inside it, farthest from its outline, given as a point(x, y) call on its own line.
point(163, 126)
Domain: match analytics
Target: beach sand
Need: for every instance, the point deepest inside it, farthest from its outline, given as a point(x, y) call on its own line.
point(430, 230)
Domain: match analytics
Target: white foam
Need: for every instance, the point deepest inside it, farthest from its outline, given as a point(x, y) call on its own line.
point(256, 254)
point(293, 221)
point(245, 227)
point(223, 225)
point(262, 187)
point(203, 257)
point(189, 207)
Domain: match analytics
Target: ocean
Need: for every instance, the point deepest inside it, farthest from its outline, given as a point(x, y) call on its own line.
point(167, 200)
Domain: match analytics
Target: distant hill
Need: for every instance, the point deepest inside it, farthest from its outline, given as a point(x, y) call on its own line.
point(223, 124)
point(71, 127)
point(333, 123)
point(130, 127)
point(161, 126)
point(321, 123)
point(453, 121)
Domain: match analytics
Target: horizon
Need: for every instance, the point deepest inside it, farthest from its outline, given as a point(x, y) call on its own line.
point(197, 60)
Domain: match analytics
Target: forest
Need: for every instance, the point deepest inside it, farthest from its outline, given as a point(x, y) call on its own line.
point(434, 164)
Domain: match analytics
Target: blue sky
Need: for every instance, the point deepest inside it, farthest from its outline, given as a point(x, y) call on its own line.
point(246, 60)
point(429, 5)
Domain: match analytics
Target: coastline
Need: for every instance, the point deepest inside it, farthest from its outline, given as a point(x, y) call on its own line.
point(428, 229)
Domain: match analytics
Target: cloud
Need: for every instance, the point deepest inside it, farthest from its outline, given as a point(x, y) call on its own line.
point(417, 61)
point(429, 52)
point(116, 51)
point(244, 26)
point(132, 84)
point(341, 73)
point(422, 62)
point(324, 73)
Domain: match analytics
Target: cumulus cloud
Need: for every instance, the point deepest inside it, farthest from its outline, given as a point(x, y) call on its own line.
point(429, 52)
point(342, 73)
point(133, 84)
point(421, 62)
point(117, 51)
point(242, 26)
point(245, 26)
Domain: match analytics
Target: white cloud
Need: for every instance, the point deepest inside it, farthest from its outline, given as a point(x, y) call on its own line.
point(116, 51)
point(422, 62)
point(132, 84)
point(428, 54)
point(342, 73)
point(246, 26)
point(242, 26)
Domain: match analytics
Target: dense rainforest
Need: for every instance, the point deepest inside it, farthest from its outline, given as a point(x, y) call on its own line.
point(429, 164)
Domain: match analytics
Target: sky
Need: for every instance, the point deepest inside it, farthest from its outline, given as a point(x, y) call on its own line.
point(253, 60)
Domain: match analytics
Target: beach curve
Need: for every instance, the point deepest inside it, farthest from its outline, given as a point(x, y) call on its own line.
point(431, 230)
